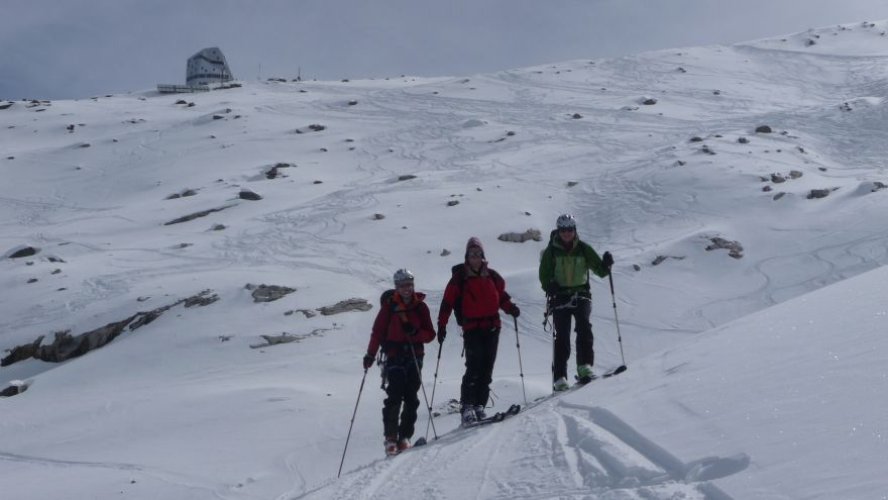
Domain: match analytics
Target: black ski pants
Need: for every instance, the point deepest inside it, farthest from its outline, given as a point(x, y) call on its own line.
point(403, 385)
point(480, 346)
point(577, 308)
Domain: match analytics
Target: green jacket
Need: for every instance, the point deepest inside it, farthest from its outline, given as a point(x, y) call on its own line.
point(569, 268)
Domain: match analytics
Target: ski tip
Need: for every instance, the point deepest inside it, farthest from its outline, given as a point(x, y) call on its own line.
point(616, 371)
point(420, 442)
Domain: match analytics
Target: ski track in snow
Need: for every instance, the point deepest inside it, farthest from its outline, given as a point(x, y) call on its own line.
point(585, 452)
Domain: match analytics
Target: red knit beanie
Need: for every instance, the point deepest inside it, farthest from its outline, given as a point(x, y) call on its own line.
point(474, 242)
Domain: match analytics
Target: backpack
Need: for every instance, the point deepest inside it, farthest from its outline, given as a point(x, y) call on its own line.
point(385, 300)
point(459, 271)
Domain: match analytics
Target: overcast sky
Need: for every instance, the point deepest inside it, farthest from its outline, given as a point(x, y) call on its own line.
point(56, 49)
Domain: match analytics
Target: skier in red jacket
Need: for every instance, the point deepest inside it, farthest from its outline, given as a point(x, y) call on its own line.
point(475, 294)
point(402, 326)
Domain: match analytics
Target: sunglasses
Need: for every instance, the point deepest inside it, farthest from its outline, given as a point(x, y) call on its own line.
point(567, 230)
point(476, 254)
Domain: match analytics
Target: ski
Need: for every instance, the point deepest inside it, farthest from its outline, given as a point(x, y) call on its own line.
point(616, 371)
point(496, 417)
point(515, 409)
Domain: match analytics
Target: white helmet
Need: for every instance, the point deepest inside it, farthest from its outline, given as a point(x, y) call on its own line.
point(403, 276)
point(566, 221)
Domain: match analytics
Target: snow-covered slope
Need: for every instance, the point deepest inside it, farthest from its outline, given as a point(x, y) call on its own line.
point(726, 396)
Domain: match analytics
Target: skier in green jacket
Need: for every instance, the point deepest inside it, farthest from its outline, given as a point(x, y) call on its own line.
point(564, 276)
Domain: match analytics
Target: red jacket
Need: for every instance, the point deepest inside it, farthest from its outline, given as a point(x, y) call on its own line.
point(388, 328)
point(483, 294)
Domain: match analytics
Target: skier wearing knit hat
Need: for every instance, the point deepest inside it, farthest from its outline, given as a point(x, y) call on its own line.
point(475, 294)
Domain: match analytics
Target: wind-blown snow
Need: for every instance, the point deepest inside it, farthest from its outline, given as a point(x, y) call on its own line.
point(762, 376)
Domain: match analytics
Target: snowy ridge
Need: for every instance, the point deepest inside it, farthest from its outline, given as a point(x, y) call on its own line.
point(749, 278)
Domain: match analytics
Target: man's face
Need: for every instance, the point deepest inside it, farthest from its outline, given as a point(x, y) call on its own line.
point(405, 289)
point(567, 234)
point(476, 258)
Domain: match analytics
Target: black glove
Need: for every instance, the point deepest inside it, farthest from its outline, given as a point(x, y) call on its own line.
point(368, 361)
point(515, 312)
point(442, 333)
point(552, 288)
point(607, 259)
point(409, 329)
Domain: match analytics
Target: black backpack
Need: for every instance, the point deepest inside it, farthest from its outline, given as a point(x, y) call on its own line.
point(385, 300)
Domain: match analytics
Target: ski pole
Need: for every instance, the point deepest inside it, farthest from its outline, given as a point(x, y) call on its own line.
point(549, 301)
point(623, 367)
point(352, 422)
point(421, 385)
point(434, 386)
point(520, 365)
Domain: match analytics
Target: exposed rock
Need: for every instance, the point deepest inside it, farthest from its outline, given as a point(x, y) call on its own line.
point(204, 298)
point(274, 171)
point(24, 252)
point(819, 193)
point(778, 178)
point(6, 105)
point(66, 346)
point(283, 338)
point(268, 293)
point(452, 203)
point(743, 140)
point(735, 249)
point(308, 313)
point(314, 127)
point(406, 177)
point(576, 116)
point(779, 195)
point(353, 304)
point(696, 138)
point(246, 194)
point(445, 252)
point(795, 174)
point(648, 101)
point(763, 129)
point(286, 338)
point(185, 193)
point(196, 215)
point(661, 258)
point(767, 189)
point(530, 234)
point(15, 388)
point(571, 184)
point(378, 216)
point(22, 352)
